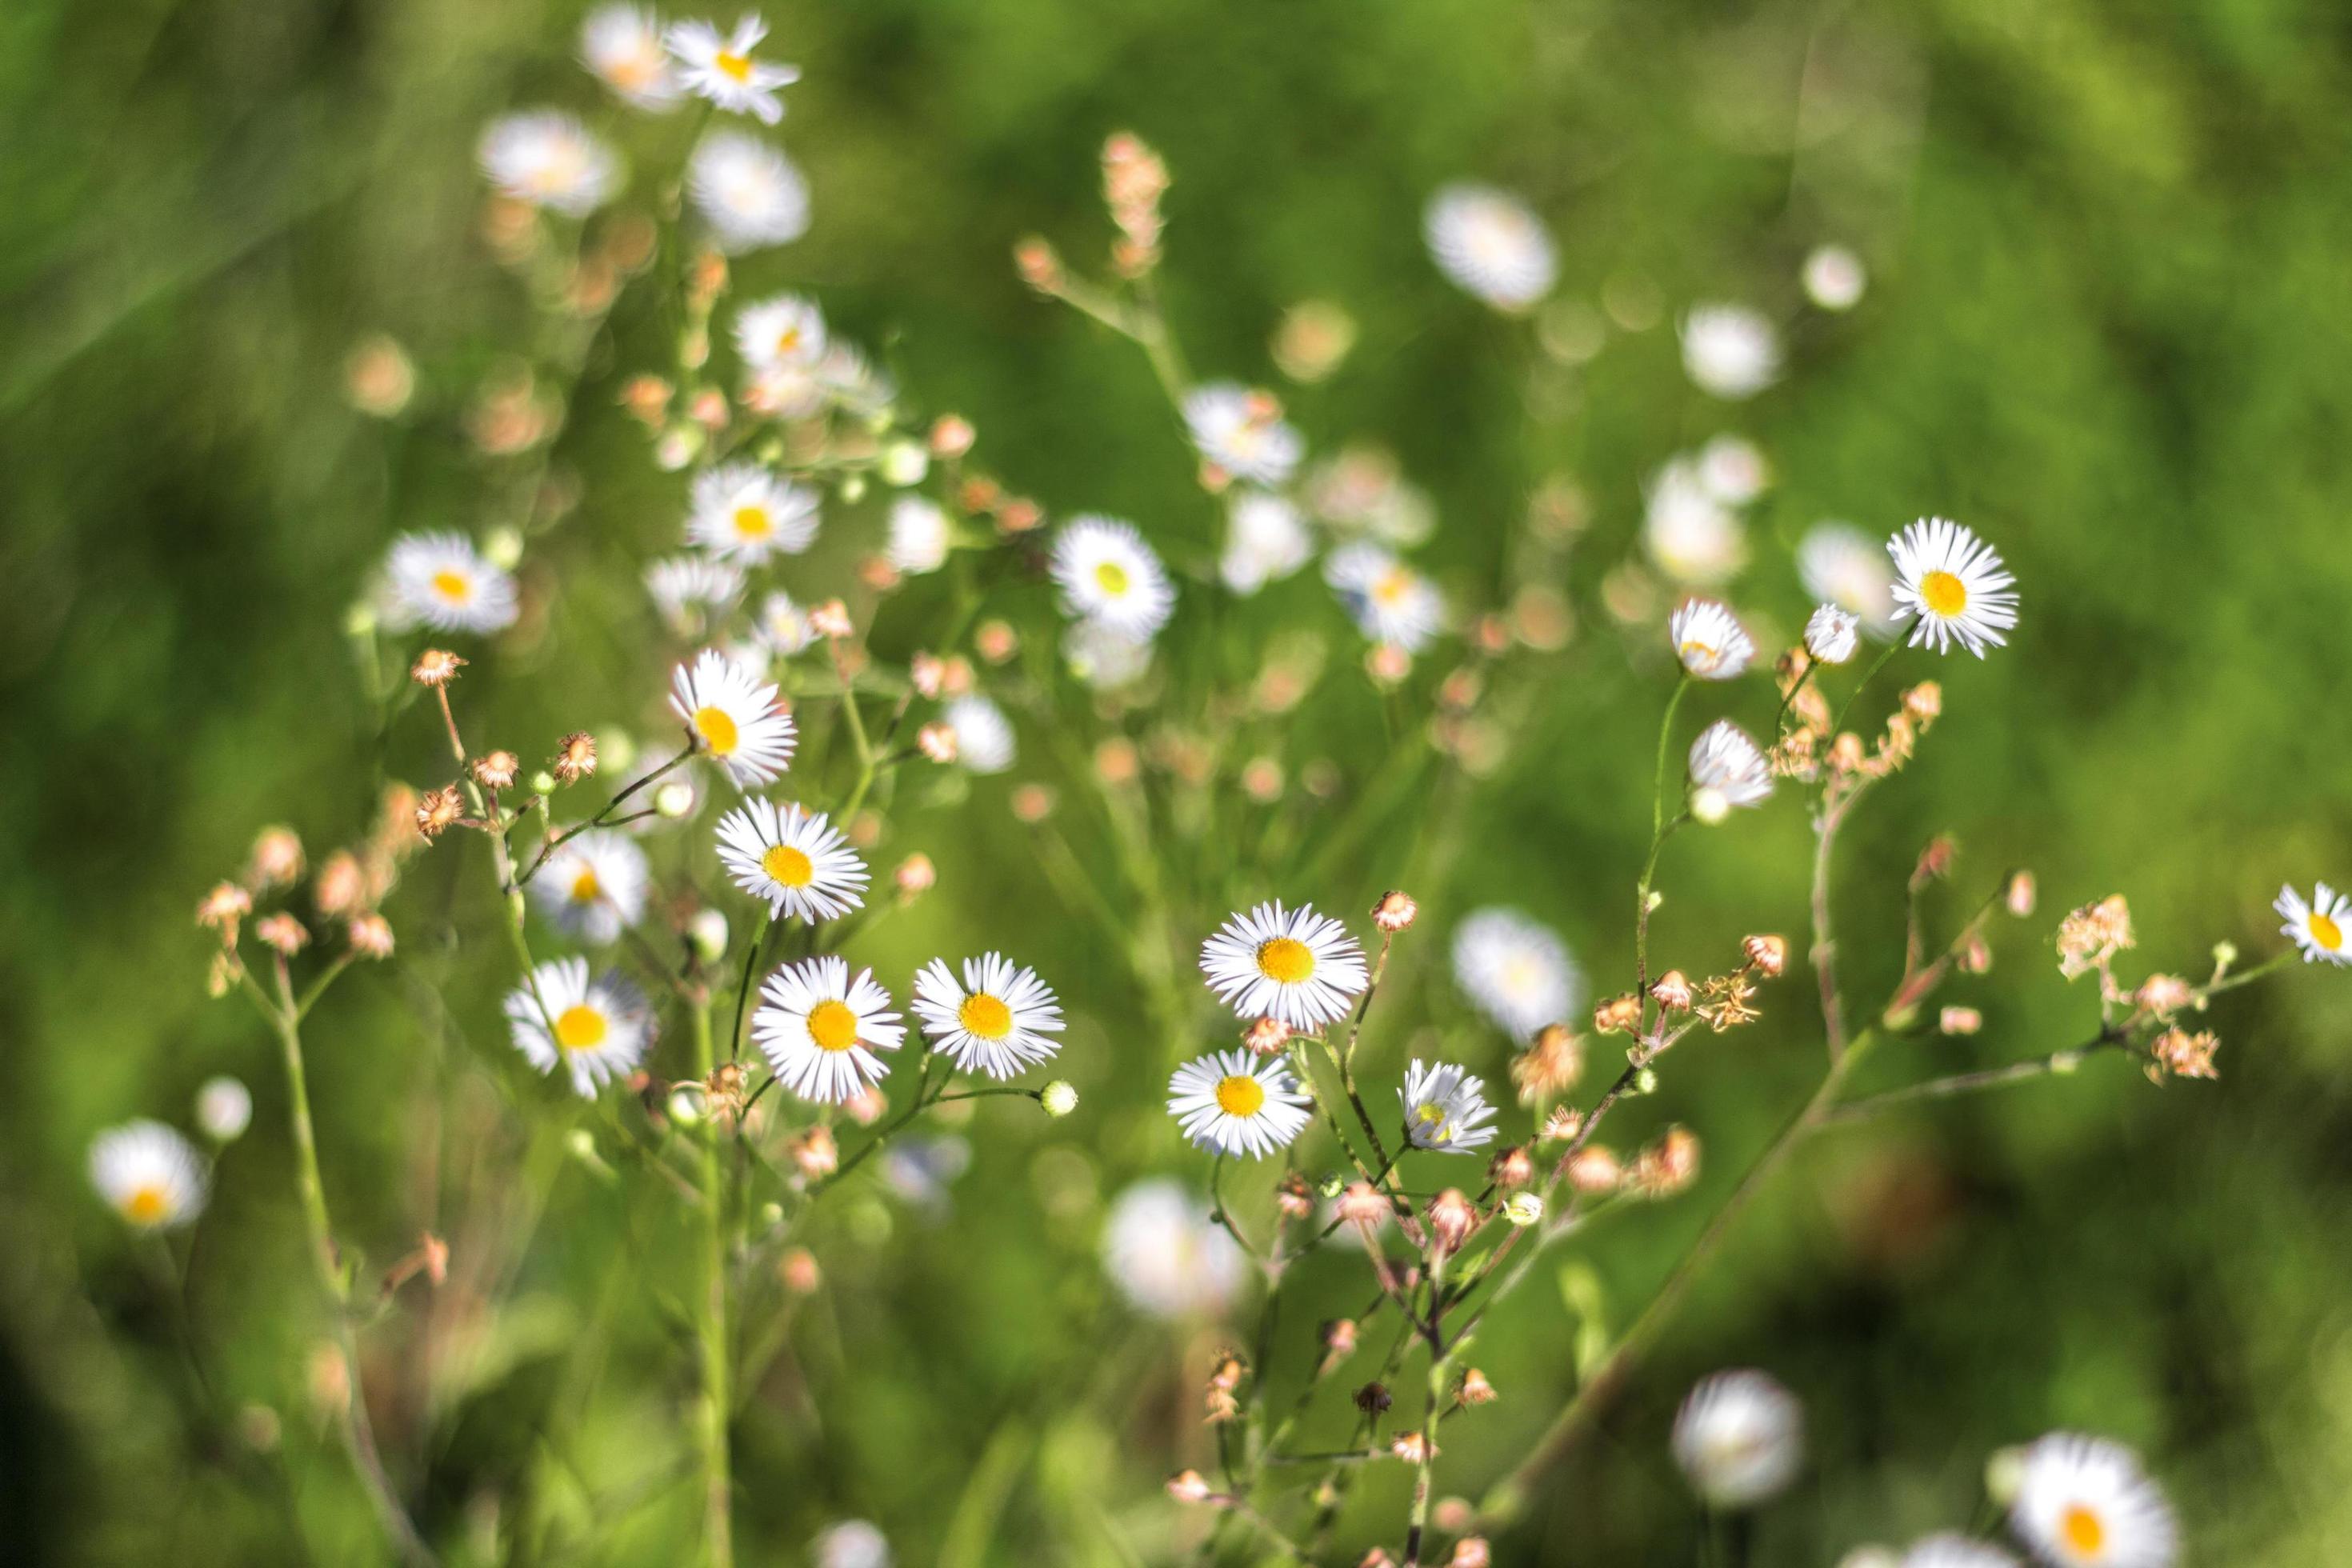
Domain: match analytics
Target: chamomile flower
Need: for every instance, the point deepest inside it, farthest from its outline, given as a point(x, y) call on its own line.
point(148, 1174)
point(983, 734)
point(1105, 659)
point(1237, 1103)
point(746, 191)
point(996, 1022)
point(621, 48)
point(1739, 1438)
point(919, 536)
point(1833, 635)
point(782, 627)
point(440, 581)
point(734, 717)
point(692, 591)
point(2317, 927)
point(1109, 576)
point(1445, 1109)
point(2085, 1502)
point(1954, 585)
point(1516, 970)
point(743, 512)
point(1166, 1255)
point(1490, 245)
point(720, 67)
point(593, 887)
point(1292, 964)
point(595, 1028)
point(1949, 1549)
point(820, 1028)
point(1730, 351)
point(1726, 769)
point(547, 159)
point(1389, 601)
point(782, 330)
point(794, 859)
point(1265, 539)
point(1692, 535)
point(1242, 432)
point(1709, 640)
point(1838, 562)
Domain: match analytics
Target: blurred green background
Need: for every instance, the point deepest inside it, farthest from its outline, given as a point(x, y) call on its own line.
point(2108, 327)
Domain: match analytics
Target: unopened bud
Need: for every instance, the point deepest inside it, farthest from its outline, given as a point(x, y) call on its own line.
point(1768, 954)
point(1619, 1015)
point(1475, 1389)
point(938, 743)
point(497, 771)
point(707, 931)
point(1188, 1485)
point(1267, 1036)
point(1672, 991)
point(915, 875)
point(951, 435)
point(1524, 1209)
point(1058, 1097)
point(2021, 895)
point(1452, 1218)
point(1511, 1169)
point(1959, 1021)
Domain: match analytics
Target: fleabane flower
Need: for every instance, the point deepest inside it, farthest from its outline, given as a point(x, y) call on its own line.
point(1833, 635)
point(1726, 769)
point(919, 536)
point(734, 717)
point(1516, 970)
point(148, 1174)
point(1445, 1109)
point(720, 67)
point(1166, 1255)
point(1838, 562)
point(1739, 1438)
point(1708, 639)
point(692, 591)
point(439, 580)
point(1265, 539)
point(1109, 576)
point(791, 857)
point(1104, 659)
point(594, 1029)
point(997, 1021)
point(1730, 351)
point(621, 48)
point(547, 159)
point(781, 330)
point(746, 191)
point(2085, 1502)
point(743, 512)
point(983, 734)
point(1292, 964)
point(1390, 602)
point(1490, 245)
point(820, 1028)
point(1953, 583)
point(2317, 927)
point(1237, 1103)
point(1687, 530)
point(781, 626)
point(593, 887)
point(1241, 431)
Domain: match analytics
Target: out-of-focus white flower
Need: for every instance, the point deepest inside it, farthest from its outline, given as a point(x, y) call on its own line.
point(1708, 639)
point(1733, 471)
point(438, 580)
point(720, 67)
point(983, 735)
point(782, 330)
point(621, 48)
point(2316, 927)
point(224, 1108)
point(1954, 1551)
point(1265, 539)
point(792, 858)
point(743, 512)
point(851, 382)
point(1725, 769)
point(997, 1021)
point(1834, 278)
point(595, 1029)
point(918, 535)
point(1739, 1438)
point(1390, 602)
point(1445, 1109)
point(593, 887)
point(1104, 659)
point(2085, 1502)
point(1694, 538)
point(1241, 431)
point(746, 191)
point(820, 1028)
point(1954, 585)
point(1833, 635)
point(692, 591)
point(1360, 490)
point(1838, 562)
point(1516, 970)
point(1730, 351)
point(852, 1544)
point(1166, 1255)
point(1237, 1103)
point(148, 1174)
point(735, 719)
point(547, 159)
point(783, 628)
point(1490, 244)
point(1292, 964)
point(1109, 576)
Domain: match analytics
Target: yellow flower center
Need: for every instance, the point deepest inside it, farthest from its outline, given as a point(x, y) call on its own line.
point(716, 728)
point(833, 1025)
point(753, 522)
point(2082, 1530)
point(454, 586)
point(585, 888)
point(1113, 578)
point(787, 865)
point(1696, 652)
point(580, 1027)
point(2327, 932)
point(1393, 585)
point(633, 71)
point(984, 1015)
point(1240, 1095)
point(147, 1205)
point(1943, 594)
point(788, 340)
point(1284, 959)
point(734, 65)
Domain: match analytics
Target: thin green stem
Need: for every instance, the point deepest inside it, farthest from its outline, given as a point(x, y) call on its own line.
point(710, 1328)
point(1867, 677)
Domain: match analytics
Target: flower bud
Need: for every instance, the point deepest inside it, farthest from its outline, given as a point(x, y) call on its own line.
point(1618, 1016)
point(1511, 1169)
point(435, 666)
point(1672, 991)
point(1373, 1399)
point(1059, 1098)
point(938, 743)
point(575, 757)
point(1524, 1209)
point(2022, 894)
point(915, 876)
point(1267, 1036)
point(1959, 1021)
point(1475, 1389)
point(497, 771)
point(224, 1109)
point(1593, 1169)
point(903, 463)
point(1768, 955)
point(815, 1153)
point(1395, 911)
point(705, 930)
point(1452, 1218)
point(674, 800)
point(370, 935)
point(951, 435)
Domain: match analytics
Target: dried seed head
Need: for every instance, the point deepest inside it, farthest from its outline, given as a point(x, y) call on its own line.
point(370, 935)
point(575, 757)
point(2093, 934)
point(1412, 1447)
point(1959, 1021)
point(277, 858)
point(938, 743)
point(339, 887)
point(1667, 1165)
point(815, 1153)
point(1672, 991)
point(1550, 1066)
point(1267, 1036)
point(1395, 911)
point(1564, 1123)
point(1338, 1337)
point(915, 876)
point(2182, 1054)
point(1619, 1015)
point(283, 933)
point(830, 620)
point(1924, 702)
point(1452, 1218)
point(2164, 995)
point(1767, 955)
point(497, 771)
point(1593, 1169)
point(1475, 1389)
point(1373, 1398)
point(438, 810)
point(1363, 1204)
point(435, 666)
point(1511, 1169)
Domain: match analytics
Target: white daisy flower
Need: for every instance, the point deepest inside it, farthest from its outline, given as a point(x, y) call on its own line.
point(1166, 1255)
point(2085, 1502)
point(1730, 351)
point(1838, 562)
point(1725, 769)
point(852, 1544)
point(983, 734)
point(1739, 1438)
point(743, 512)
point(1265, 539)
point(794, 859)
point(1834, 278)
point(1516, 970)
point(720, 67)
point(1237, 1103)
point(782, 330)
point(1832, 634)
point(852, 381)
point(919, 536)
point(1241, 431)
point(734, 717)
point(1490, 245)
point(547, 159)
point(1954, 583)
point(821, 1028)
point(1389, 601)
point(1103, 658)
point(621, 48)
point(593, 887)
point(782, 626)
point(2317, 927)
point(1733, 471)
point(1708, 639)
point(595, 1028)
point(1109, 576)
point(692, 591)
point(996, 1022)
point(1694, 537)
point(1445, 1109)
point(746, 191)
point(1949, 1549)
point(1292, 964)
point(440, 581)
point(148, 1174)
